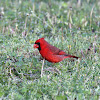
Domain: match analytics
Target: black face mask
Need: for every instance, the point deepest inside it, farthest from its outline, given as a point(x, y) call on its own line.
point(39, 48)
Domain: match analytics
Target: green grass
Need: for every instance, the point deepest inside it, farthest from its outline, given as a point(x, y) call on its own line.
point(68, 25)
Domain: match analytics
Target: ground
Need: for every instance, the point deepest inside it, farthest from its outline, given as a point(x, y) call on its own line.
point(70, 25)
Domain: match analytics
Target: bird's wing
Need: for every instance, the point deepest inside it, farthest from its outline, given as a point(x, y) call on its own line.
point(56, 51)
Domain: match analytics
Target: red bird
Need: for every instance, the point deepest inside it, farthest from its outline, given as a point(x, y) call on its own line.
point(49, 52)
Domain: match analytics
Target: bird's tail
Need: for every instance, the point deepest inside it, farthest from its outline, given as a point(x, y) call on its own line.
point(70, 56)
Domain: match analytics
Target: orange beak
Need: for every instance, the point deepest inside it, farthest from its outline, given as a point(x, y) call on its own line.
point(35, 46)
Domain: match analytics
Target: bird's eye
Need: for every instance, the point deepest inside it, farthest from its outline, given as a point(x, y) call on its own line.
point(38, 43)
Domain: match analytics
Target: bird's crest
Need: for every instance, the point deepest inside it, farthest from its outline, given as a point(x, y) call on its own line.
point(42, 38)
point(39, 40)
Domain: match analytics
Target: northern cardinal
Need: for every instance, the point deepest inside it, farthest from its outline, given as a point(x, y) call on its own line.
point(49, 52)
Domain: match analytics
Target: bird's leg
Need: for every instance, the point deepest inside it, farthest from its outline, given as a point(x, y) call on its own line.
point(42, 67)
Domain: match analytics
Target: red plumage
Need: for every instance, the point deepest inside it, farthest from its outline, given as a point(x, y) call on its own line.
point(51, 53)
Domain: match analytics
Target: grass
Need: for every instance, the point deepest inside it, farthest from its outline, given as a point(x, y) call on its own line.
point(70, 25)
